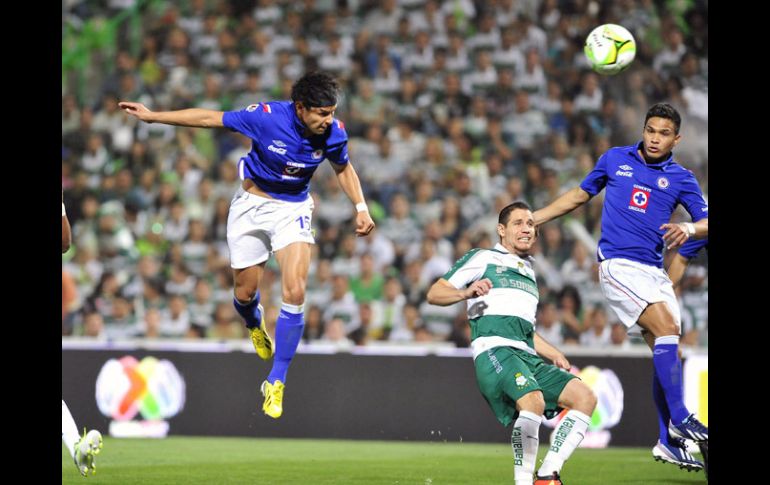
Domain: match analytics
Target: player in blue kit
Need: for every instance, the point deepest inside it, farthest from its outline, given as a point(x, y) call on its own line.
point(271, 212)
point(644, 185)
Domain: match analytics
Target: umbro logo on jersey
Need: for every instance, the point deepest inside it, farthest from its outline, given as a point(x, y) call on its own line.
point(625, 171)
point(279, 143)
point(279, 151)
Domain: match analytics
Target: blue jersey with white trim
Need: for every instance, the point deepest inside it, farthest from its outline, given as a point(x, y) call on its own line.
point(282, 161)
point(691, 247)
point(640, 197)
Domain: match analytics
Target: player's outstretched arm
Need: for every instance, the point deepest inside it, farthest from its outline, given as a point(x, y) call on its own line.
point(442, 293)
point(351, 185)
point(566, 203)
point(544, 349)
point(66, 231)
point(194, 117)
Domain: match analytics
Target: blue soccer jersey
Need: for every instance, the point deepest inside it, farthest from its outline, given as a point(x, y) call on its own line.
point(690, 248)
point(282, 161)
point(640, 197)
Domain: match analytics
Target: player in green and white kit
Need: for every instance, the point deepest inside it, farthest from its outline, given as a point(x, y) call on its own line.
point(519, 386)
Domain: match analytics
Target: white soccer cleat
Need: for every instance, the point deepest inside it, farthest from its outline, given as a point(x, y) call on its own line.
point(85, 449)
point(676, 453)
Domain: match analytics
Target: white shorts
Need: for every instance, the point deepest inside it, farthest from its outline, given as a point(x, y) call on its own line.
point(257, 226)
point(630, 287)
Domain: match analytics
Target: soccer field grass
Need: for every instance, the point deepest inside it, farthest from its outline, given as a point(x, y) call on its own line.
point(197, 460)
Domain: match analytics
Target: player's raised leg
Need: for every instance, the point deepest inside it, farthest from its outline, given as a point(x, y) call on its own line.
point(249, 246)
point(581, 402)
point(82, 449)
point(294, 261)
point(247, 305)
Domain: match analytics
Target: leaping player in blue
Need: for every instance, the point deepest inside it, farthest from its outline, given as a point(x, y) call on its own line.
point(644, 186)
point(271, 212)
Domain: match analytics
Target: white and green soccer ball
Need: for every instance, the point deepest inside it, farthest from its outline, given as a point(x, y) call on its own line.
point(610, 48)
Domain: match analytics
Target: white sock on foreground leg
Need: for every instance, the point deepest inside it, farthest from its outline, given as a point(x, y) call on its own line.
point(569, 434)
point(69, 432)
point(524, 441)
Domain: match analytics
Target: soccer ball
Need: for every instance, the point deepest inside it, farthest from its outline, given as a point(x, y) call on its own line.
point(610, 48)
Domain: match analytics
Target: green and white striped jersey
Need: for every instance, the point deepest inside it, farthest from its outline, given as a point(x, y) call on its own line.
point(506, 315)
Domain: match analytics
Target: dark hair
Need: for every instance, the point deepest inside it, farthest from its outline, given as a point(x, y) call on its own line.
point(505, 214)
point(664, 110)
point(315, 89)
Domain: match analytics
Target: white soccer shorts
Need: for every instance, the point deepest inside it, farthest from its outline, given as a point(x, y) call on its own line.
point(630, 287)
point(257, 226)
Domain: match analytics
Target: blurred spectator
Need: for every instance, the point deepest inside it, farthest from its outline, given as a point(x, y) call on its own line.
point(201, 307)
point(570, 314)
point(619, 335)
point(342, 305)
point(93, 325)
point(226, 324)
point(597, 331)
point(175, 320)
point(314, 324)
point(367, 286)
point(334, 333)
point(548, 325)
point(149, 327)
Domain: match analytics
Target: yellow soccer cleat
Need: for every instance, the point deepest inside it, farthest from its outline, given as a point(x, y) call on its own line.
point(263, 344)
point(273, 405)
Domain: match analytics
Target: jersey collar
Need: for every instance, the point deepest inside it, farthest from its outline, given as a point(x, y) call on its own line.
point(660, 165)
point(501, 248)
point(299, 126)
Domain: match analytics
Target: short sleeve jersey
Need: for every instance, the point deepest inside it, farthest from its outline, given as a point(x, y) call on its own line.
point(640, 197)
point(282, 160)
point(508, 310)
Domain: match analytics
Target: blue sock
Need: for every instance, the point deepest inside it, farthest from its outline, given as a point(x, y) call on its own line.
point(660, 404)
point(668, 367)
point(288, 332)
point(250, 311)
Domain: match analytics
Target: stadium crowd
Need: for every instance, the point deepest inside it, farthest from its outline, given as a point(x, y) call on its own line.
point(453, 108)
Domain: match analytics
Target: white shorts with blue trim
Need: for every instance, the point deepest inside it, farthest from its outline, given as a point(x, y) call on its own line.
point(630, 287)
point(258, 226)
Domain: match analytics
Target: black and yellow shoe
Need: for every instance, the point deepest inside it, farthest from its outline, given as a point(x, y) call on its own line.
point(263, 344)
point(273, 405)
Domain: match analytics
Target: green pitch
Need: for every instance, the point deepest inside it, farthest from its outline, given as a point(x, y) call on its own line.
point(194, 460)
